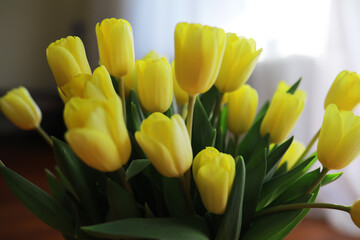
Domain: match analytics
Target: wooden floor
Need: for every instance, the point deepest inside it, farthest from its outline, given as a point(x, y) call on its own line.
point(17, 223)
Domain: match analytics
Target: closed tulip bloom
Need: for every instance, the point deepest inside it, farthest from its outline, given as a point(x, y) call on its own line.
point(116, 46)
point(198, 54)
point(155, 84)
point(67, 59)
point(239, 61)
point(166, 143)
point(97, 132)
point(355, 213)
point(292, 154)
point(19, 107)
point(242, 105)
point(339, 140)
point(181, 96)
point(282, 114)
point(214, 174)
point(344, 91)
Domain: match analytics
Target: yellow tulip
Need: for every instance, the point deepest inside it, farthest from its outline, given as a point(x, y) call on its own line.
point(19, 107)
point(283, 112)
point(181, 96)
point(155, 84)
point(344, 91)
point(67, 59)
point(214, 174)
point(166, 143)
point(198, 54)
point(339, 140)
point(242, 105)
point(292, 154)
point(116, 46)
point(239, 61)
point(355, 213)
point(97, 132)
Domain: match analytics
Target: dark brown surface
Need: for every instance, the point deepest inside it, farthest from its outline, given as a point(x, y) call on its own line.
point(17, 223)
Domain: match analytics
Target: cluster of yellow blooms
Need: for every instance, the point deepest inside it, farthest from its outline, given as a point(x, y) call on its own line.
point(204, 56)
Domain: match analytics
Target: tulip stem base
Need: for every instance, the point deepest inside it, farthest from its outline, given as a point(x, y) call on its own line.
point(296, 206)
point(190, 115)
point(309, 146)
point(122, 95)
point(125, 183)
point(321, 176)
point(186, 187)
point(44, 135)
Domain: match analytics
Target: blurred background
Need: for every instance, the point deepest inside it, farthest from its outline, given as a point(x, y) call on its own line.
point(311, 39)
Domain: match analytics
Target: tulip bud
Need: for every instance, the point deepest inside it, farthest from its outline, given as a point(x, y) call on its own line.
point(19, 107)
point(355, 213)
point(67, 59)
point(155, 84)
point(97, 132)
point(239, 61)
point(283, 112)
point(242, 105)
point(166, 143)
point(181, 96)
point(344, 91)
point(339, 140)
point(214, 174)
point(292, 154)
point(198, 54)
point(116, 46)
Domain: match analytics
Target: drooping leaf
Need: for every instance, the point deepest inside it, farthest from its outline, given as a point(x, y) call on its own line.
point(41, 204)
point(176, 228)
point(136, 167)
point(330, 178)
point(231, 222)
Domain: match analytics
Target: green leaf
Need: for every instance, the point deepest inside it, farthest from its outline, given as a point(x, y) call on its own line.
point(209, 100)
point(121, 203)
point(64, 181)
point(293, 88)
point(330, 178)
point(41, 204)
point(57, 190)
point(231, 222)
point(203, 133)
point(253, 141)
point(115, 83)
point(255, 173)
point(275, 156)
point(230, 146)
point(179, 228)
point(134, 113)
point(136, 167)
point(174, 197)
point(277, 185)
point(83, 179)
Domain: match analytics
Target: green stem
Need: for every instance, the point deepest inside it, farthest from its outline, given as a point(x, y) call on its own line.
point(323, 173)
point(125, 183)
point(44, 135)
point(184, 109)
point(295, 206)
point(186, 188)
point(217, 109)
point(190, 115)
point(309, 146)
point(122, 95)
point(237, 138)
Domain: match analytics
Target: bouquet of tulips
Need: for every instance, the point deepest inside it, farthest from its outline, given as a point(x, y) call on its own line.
point(179, 151)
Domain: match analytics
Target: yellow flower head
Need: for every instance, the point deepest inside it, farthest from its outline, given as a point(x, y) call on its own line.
point(19, 107)
point(344, 91)
point(242, 105)
point(116, 46)
point(97, 132)
point(239, 61)
point(339, 140)
point(214, 174)
point(166, 143)
point(67, 59)
point(355, 213)
point(181, 96)
point(283, 112)
point(155, 84)
point(198, 54)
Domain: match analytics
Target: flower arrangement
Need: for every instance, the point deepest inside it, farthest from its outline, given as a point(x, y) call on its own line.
point(177, 151)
